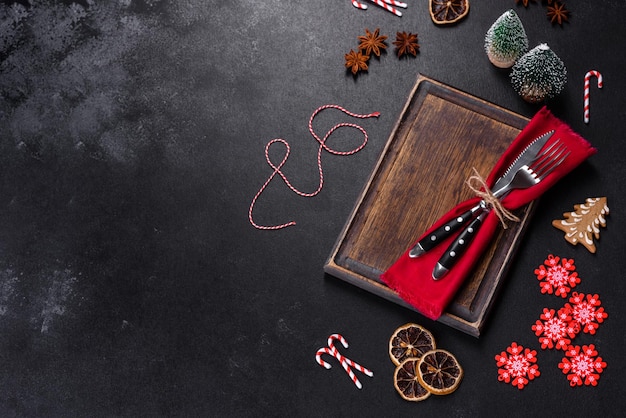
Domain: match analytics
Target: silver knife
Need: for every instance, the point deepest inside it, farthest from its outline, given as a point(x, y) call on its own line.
point(458, 247)
point(525, 157)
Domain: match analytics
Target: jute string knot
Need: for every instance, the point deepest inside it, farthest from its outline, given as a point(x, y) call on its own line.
point(483, 191)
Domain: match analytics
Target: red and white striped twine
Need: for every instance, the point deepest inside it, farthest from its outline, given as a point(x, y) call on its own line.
point(322, 146)
point(346, 363)
point(592, 73)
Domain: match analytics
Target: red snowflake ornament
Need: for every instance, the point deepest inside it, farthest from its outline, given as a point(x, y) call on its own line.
point(586, 311)
point(555, 330)
point(582, 365)
point(517, 365)
point(557, 278)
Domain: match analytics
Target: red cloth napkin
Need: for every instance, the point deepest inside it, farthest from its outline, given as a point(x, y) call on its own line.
point(412, 277)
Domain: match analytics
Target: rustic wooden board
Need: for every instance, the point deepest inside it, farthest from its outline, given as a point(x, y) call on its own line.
point(441, 134)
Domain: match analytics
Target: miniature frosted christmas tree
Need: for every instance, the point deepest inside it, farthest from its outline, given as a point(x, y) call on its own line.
point(506, 40)
point(539, 74)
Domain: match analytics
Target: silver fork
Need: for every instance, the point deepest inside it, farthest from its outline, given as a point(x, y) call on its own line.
point(520, 180)
point(524, 178)
point(528, 176)
point(549, 159)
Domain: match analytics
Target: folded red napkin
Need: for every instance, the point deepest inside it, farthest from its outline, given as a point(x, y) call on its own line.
point(412, 277)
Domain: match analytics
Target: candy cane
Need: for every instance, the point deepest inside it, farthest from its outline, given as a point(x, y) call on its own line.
point(318, 357)
point(342, 360)
point(322, 147)
point(339, 357)
point(586, 94)
point(345, 362)
point(385, 4)
point(337, 337)
point(388, 7)
point(396, 3)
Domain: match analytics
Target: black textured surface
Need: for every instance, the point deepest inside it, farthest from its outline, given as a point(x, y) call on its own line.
point(131, 145)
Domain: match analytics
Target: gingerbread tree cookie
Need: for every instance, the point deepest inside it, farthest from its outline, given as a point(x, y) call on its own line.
point(583, 224)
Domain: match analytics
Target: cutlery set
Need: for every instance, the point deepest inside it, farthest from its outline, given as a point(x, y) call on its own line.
point(530, 167)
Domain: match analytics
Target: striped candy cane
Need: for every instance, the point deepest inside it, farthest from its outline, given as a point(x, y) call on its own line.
point(322, 147)
point(318, 357)
point(396, 3)
point(386, 4)
point(346, 363)
point(388, 7)
point(342, 358)
point(588, 76)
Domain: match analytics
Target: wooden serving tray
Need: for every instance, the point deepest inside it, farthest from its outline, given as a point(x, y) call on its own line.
point(441, 134)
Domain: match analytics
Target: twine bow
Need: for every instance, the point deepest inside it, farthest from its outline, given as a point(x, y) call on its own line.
point(490, 199)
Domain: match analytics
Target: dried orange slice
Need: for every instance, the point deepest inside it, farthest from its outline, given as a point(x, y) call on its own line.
point(410, 341)
point(439, 372)
point(407, 383)
point(444, 12)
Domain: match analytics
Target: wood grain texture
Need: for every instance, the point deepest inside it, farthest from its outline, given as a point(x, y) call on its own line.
point(440, 137)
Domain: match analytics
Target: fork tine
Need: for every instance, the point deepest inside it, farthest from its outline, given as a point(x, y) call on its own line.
point(548, 163)
point(549, 159)
point(546, 169)
point(548, 156)
point(544, 152)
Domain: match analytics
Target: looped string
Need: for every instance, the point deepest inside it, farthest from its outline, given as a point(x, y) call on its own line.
point(483, 191)
point(322, 147)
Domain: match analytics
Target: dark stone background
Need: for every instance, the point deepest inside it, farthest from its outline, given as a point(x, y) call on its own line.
point(131, 145)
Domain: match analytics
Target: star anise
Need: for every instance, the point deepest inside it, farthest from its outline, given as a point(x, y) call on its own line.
point(356, 61)
point(524, 2)
point(372, 42)
point(557, 13)
point(406, 43)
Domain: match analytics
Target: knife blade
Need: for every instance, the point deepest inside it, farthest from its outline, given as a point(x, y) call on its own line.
point(458, 247)
point(525, 157)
